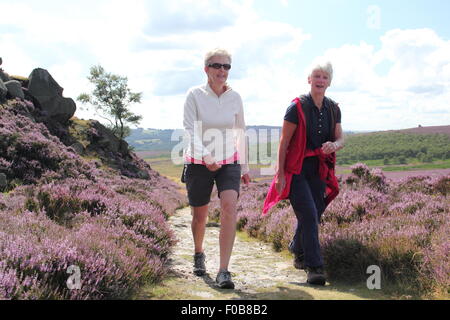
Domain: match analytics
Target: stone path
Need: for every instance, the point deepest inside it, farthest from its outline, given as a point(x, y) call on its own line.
point(258, 272)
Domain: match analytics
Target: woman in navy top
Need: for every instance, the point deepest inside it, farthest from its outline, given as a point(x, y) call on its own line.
point(323, 137)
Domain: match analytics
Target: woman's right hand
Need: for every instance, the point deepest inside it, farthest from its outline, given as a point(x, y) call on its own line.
point(280, 183)
point(213, 167)
point(211, 163)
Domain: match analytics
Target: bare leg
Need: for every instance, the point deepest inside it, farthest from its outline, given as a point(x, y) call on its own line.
point(198, 226)
point(228, 203)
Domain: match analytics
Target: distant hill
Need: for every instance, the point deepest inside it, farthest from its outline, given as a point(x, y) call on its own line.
point(425, 144)
point(428, 130)
point(164, 140)
point(151, 139)
point(161, 140)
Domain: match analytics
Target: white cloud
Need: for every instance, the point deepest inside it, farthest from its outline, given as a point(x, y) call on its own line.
point(172, 62)
point(420, 58)
point(15, 59)
point(188, 16)
point(159, 46)
point(415, 90)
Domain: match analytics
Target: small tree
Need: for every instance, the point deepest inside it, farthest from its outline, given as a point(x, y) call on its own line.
point(421, 156)
point(427, 159)
point(402, 160)
point(112, 99)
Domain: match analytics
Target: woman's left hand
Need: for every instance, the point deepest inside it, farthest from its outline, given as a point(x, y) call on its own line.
point(246, 178)
point(329, 147)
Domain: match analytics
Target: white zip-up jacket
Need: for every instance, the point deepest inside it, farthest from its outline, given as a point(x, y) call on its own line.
point(215, 126)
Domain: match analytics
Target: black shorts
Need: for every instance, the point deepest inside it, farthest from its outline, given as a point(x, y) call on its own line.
point(200, 182)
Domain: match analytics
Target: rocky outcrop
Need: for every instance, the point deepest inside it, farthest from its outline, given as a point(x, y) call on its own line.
point(106, 140)
point(115, 152)
point(49, 93)
point(40, 98)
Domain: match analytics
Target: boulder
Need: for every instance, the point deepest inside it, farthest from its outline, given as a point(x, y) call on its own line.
point(43, 85)
point(78, 147)
point(66, 108)
point(4, 76)
point(32, 99)
point(22, 80)
point(107, 140)
point(142, 174)
point(49, 94)
point(15, 89)
point(3, 91)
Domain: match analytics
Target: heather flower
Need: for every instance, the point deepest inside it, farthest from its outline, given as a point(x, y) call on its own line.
point(67, 212)
point(360, 170)
point(400, 226)
point(437, 258)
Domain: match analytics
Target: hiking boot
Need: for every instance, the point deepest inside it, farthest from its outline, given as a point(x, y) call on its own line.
point(299, 262)
point(223, 280)
point(199, 264)
point(316, 276)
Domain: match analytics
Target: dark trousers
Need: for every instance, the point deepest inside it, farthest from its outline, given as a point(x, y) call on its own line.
point(307, 200)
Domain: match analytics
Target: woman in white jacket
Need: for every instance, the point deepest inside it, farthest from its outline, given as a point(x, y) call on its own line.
point(214, 121)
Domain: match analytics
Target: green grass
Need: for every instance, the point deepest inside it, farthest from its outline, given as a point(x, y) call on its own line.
point(158, 158)
point(165, 167)
point(412, 164)
point(394, 146)
point(425, 166)
point(161, 155)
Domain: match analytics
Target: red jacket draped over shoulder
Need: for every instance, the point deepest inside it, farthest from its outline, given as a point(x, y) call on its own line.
point(295, 155)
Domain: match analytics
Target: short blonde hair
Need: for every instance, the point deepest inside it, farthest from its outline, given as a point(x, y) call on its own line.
point(325, 67)
point(216, 52)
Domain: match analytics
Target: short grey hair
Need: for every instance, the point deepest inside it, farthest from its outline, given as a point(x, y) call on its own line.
point(216, 52)
point(325, 67)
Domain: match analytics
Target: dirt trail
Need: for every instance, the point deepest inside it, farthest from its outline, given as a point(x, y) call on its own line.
point(258, 272)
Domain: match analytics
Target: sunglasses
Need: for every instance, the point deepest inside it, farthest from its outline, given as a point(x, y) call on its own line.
point(217, 66)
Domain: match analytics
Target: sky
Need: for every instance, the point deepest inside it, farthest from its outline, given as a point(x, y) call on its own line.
point(391, 59)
